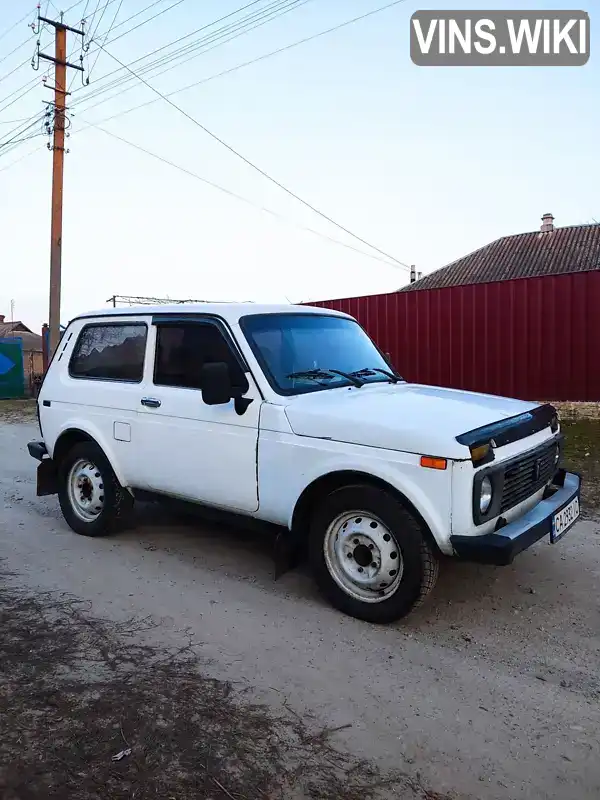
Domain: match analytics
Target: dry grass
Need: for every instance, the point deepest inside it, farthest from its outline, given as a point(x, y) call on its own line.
point(76, 691)
point(582, 454)
point(18, 410)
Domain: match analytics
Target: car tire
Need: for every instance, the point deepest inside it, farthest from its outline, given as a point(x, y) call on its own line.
point(92, 500)
point(357, 523)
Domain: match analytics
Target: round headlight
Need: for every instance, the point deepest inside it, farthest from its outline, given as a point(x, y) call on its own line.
point(485, 496)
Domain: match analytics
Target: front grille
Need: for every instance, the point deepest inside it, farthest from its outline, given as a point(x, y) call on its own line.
point(528, 475)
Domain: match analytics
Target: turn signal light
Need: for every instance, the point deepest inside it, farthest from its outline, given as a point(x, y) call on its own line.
point(479, 454)
point(433, 463)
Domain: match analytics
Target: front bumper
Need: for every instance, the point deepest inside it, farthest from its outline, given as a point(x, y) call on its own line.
point(501, 546)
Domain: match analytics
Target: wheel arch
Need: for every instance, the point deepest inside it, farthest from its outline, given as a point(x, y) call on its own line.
point(73, 435)
point(325, 484)
point(68, 439)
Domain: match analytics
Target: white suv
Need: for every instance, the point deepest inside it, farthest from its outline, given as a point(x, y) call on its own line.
point(292, 416)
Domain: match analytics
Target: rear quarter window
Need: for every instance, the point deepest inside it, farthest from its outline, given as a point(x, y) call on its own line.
point(110, 352)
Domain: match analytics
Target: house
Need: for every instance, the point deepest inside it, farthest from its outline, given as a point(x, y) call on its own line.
point(32, 347)
point(516, 317)
point(541, 253)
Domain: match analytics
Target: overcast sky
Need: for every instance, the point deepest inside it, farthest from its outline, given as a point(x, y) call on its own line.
point(427, 164)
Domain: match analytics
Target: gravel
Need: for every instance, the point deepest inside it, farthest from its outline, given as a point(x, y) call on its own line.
point(489, 691)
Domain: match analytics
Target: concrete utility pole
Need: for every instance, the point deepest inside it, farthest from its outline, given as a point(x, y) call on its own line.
point(58, 158)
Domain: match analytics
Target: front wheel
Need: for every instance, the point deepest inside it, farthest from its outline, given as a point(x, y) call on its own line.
point(92, 500)
point(369, 556)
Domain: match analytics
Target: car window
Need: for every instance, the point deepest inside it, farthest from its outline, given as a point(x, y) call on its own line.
point(182, 350)
point(110, 352)
point(290, 345)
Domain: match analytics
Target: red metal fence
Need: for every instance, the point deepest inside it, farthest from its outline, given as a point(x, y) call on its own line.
point(534, 338)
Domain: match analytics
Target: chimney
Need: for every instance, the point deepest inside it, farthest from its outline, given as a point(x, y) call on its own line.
point(1, 318)
point(413, 274)
point(547, 223)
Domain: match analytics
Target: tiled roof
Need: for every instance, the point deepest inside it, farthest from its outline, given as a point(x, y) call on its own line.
point(526, 255)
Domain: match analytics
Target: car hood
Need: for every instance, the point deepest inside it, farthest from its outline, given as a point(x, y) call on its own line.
point(404, 416)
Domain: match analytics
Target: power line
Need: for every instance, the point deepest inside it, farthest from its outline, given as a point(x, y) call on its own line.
point(180, 39)
point(27, 41)
point(76, 3)
point(13, 121)
point(217, 38)
point(241, 197)
point(105, 38)
point(255, 167)
point(21, 129)
point(144, 22)
point(22, 158)
point(99, 20)
point(12, 27)
point(30, 82)
point(92, 16)
point(8, 105)
point(23, 139)
point(243, 64)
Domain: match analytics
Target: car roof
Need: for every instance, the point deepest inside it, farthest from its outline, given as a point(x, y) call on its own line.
point(231, 312)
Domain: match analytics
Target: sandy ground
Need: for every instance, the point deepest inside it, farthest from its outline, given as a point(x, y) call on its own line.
point(490, 691)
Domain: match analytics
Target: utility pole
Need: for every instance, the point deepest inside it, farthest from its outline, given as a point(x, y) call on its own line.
point(58, 159)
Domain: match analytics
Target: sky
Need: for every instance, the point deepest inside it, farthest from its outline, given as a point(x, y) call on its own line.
point(426, 164)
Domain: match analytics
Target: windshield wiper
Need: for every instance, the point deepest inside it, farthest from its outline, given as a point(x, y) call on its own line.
point(324, 374)
point(393, 376)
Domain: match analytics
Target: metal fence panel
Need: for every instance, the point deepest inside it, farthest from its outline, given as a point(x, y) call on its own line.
point(534, 338)
point(12, 379)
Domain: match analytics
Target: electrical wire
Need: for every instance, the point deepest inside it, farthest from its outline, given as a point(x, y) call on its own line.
point(241, 197)
point(105, 38)
point(256, 168)
point(99, 21)
point(22, 158)
point(23, 139)
point(14, 25)
point(76, 3)
point(13, 121)
point(240, 66)
point(30, 82)
point(21, 129)
point(144, 22)
point(176, 41)
point(8, 105)
point(216, 38)
point(8, 55)
point(142, 11)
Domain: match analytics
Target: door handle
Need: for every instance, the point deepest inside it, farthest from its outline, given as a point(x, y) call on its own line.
point(151, 402)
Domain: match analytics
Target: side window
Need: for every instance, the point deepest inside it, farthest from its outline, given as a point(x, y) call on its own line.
point(182, 350)
point(110, 352)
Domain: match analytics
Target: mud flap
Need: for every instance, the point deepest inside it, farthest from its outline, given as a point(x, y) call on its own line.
point(47, 478)
point(287, 552)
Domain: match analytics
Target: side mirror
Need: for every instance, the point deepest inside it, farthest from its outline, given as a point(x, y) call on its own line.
point(216, 384)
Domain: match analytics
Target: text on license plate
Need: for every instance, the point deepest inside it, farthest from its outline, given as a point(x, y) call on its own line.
point(564, 519)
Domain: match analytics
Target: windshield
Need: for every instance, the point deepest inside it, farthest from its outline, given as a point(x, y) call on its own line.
point(299, 351)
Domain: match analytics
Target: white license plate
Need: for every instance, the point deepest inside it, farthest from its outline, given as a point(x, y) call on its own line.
point(564, 519)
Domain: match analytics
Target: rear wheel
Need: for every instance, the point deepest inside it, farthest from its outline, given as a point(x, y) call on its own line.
point(92, 500)
point(369, 556)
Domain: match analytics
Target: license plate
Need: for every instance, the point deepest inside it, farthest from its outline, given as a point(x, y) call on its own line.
point(564, 519)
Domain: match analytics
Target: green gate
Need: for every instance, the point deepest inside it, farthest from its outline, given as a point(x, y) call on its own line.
point(12, 379)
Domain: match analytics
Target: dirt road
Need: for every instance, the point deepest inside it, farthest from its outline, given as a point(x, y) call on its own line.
point(490, 691)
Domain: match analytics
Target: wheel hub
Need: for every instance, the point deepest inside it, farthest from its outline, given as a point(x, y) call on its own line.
point(362, 556)
point(86, 490)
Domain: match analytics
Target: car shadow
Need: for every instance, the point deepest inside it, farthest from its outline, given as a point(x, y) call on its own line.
point(465, 593)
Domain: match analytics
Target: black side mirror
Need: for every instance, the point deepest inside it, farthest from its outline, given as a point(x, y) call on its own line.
point(216, 384)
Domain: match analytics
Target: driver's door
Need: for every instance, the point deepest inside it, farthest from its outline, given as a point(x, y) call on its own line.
point(189, 449)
